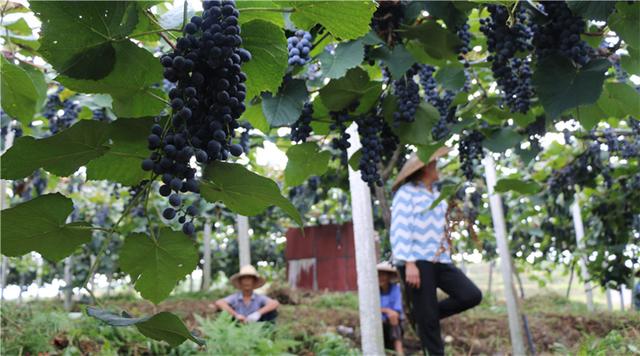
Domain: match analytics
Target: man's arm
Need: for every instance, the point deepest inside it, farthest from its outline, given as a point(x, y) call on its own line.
point(224, 305)
point(269, 306)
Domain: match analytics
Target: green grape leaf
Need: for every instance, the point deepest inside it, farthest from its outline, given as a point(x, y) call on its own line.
point(346, 56)
point(78, 37)
point(631, 61)
point(268, 64)
point(446, 191)
point(501, 140)
point(127, 148)
point(619, 100)
point(592, 10)
point(398, 60)
point(589, 115)
point(437, 42)
point(243, 191)
point(285, 108)
point(256, 118)
point(130, 83)
point(39, 225)
point(561, 86)
point(523, 187)
point(348, 21)
point(354, 160)
point(339, 93)
point(23, 91)
point(163, 326)
point(451, 77)
point(61, 154)
point(626, 23)
point(417, 132)
point(274, 17)
point(305, 160)
point(447, 11)
point(157, 266)
point(425, 151)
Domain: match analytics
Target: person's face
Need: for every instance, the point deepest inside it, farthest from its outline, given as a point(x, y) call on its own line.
point(383, 279)
point(247, 283)
point(430, 172)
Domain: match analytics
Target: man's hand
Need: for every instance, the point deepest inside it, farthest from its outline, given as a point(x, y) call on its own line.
point(253, 317)
point(241, 318)
point(412, 275)
point(394, 316)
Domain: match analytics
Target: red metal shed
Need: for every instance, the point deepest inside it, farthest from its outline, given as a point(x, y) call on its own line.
point(322, 259)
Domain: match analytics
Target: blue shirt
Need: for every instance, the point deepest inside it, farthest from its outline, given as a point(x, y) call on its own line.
point(417, 233)
point(392, 300)
point(236, 302)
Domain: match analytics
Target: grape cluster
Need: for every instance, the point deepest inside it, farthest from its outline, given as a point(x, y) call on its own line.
point(100, 115)
point(299, 46)
point(387, 19)
point(370, 128)
point(560, 33)
point(464, 35)
point(390, 141)
point(301, 129)
point(408, 93)
point(512, 74)
point(535, 130)
point(470, 151)
point(61, 114)
point(245, 136)
point(206, 103)
point(447, 115)
point(341, 143)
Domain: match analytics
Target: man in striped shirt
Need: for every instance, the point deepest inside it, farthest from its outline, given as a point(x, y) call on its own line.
point(422, 252)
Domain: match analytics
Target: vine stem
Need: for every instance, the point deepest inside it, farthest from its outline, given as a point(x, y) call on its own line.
point(158, 97)
point(153, 32)
point(107, 241)
point(162, 33)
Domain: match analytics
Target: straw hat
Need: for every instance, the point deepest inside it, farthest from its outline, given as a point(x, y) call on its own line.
point(385, 266)
point(247, 270)
point(414, 164)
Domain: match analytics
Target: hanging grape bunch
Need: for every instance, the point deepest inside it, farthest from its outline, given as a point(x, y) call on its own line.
point(299, 46)
point(301, 129)
point(470, 149)
point(341, 143)
point(430, 86)
point(408, 93)
point(369, 129)
point(206, 103)
point(512, 73)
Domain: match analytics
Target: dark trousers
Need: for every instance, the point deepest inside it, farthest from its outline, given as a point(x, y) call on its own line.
point(391, 333)
point(426, 309)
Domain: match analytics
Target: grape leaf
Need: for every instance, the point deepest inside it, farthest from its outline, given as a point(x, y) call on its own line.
point(520, 186)
point(417, 132)
point(619, 100)
point(339, 93)
point(157, 266)
point(127, 148)
point(274, 17)
point(398, 60)
point(285, 108)
point(23, 91)
point(592, 10)
point(163, 326)
point(61, 154)
point(502, 139)
point(39, 225)
point(631, 61)
point(78, 37)
point(561, 86)
point(305, 160)
point(243, 191)
point(626, 23)
point(346, 56)
point(451, 77)
point(348, 21)
point(256, 118)
point(447, 11)
point(130, 84)
point(268, 64)
point(437, 42)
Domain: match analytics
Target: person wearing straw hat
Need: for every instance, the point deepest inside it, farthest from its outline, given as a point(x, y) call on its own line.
point(391, 307)
point(421, 250)
point(246, 305)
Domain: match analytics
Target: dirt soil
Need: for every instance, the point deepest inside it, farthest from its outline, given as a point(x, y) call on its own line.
point(476, 332)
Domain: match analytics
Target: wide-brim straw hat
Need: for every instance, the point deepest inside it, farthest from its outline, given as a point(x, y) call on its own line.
point(387, 267)
point(247, 270)
point(414, 164)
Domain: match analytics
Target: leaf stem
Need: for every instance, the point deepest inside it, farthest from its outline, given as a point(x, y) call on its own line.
point(158, 97)
point(153, 32)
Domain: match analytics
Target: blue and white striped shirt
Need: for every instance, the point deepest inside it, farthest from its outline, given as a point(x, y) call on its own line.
point(417, 233)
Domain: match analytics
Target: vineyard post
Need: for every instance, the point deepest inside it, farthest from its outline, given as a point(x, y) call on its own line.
point(363, 231)
point(579, 227)
point(622, 298)
point(497, 214)
point(244, 246)
point(206, 266)
point(609, 301)
point(8, 141)
point(68, 287)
